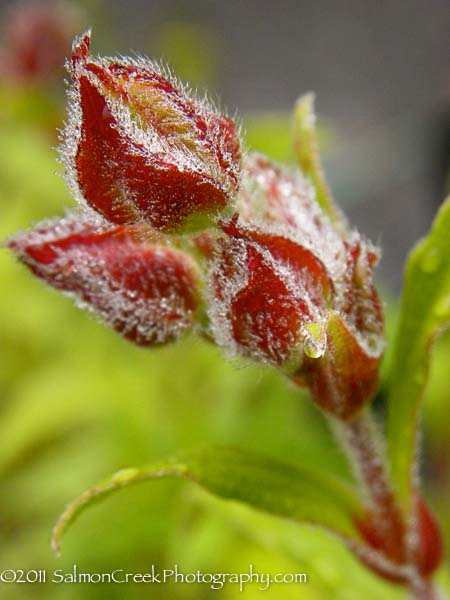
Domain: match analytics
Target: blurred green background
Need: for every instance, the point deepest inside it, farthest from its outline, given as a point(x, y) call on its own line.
point(77, 402)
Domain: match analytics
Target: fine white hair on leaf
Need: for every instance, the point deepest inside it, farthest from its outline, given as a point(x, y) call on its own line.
point(178, 145)
point(278, 202)
point(142, 299)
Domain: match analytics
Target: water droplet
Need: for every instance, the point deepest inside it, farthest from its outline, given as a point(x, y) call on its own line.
point(312, 348)
point(431, 261)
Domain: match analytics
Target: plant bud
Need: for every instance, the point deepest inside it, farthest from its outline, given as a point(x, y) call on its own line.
point(427, 546)
point(289, 289)
point(273, 196)
point(430, 546)
point(263, 298)
point(139, 148)
point(145, 290)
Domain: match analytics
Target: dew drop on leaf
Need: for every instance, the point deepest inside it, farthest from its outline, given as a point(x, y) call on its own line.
point(312, 348)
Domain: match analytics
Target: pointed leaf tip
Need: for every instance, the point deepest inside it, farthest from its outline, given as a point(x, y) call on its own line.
point(307, 154)
point(81, 47)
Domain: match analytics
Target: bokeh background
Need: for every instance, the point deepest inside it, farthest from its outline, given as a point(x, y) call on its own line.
point(77, 402)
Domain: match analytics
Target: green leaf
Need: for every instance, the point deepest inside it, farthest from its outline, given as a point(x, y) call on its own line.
point(266, 484)
point(425, 311)
point(307, 154)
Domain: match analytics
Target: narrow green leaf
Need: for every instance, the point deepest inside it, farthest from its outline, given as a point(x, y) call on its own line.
point(307, 154)
point(266, 484)
point(425, 311)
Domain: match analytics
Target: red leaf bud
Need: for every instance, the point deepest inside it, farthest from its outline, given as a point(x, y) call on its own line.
point(430, 546)
point(139, 148)
point(145, 290)
point(426, 543)
point(264, 288)
point(274, 196)
point(289, 288)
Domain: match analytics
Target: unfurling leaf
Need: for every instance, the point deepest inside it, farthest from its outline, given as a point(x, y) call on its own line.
point(425, 311)
point(288, 491)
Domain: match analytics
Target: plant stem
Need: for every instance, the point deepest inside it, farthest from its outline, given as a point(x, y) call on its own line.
point(423, 589)
point(363, 445)
point(361, 440)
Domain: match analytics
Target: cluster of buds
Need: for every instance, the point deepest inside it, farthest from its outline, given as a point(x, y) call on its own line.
point(178, 231)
